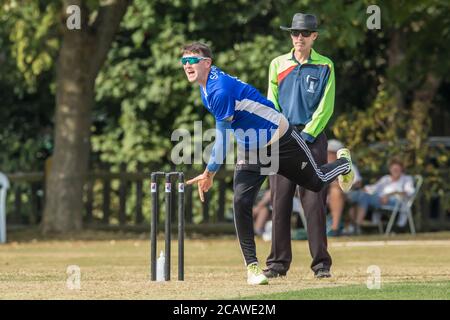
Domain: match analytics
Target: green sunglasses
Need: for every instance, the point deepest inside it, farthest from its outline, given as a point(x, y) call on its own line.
point(192, 60)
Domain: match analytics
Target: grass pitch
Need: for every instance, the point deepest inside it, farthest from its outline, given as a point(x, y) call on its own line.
point(116, 266)
point(430, 290)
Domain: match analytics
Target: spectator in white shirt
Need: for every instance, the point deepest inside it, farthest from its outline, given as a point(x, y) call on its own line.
point(387, 191)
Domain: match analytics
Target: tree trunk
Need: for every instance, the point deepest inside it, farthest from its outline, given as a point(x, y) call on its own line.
point(420, 123)
point(396, 56)
point(74, 99)
point(80, 58)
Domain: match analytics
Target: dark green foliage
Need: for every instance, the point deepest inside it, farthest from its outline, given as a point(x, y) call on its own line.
point(142, 94)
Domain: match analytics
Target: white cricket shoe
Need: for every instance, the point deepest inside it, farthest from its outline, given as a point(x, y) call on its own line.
point(346, 180)
point(255, 275)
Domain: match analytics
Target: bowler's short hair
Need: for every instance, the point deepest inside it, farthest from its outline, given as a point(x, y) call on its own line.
point(198, 48)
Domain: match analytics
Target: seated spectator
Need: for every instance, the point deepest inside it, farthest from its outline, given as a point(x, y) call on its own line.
point(261, 213)
point(387, 191)
point(336, 198)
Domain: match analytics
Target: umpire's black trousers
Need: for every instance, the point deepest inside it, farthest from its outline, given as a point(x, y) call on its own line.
point(314, 205)
point(295, 163)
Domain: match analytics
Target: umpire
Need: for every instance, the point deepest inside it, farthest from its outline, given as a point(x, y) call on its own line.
point(302, 87)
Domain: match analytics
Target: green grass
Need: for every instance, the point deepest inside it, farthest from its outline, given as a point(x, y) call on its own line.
point(390, 291)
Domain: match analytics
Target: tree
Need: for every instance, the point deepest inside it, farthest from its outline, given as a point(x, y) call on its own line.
point(415, 67)
point(26, 104)
point(388, 80)
point(80, 58)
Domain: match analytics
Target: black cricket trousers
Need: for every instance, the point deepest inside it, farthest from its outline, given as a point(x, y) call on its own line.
point(314, 205)
point(295, 163)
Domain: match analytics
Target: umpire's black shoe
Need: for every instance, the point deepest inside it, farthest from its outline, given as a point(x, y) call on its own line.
point(322, 273)
point(271, 273)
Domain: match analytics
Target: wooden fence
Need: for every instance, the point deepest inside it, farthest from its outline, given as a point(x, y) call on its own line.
point(26, 198)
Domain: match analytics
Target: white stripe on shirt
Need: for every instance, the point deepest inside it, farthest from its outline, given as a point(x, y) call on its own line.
point(259, 109)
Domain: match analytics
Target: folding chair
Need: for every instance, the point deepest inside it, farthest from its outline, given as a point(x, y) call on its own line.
point(404, 206)
point(4, 186)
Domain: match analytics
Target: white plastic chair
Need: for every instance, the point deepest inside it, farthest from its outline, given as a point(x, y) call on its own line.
point(404, 206)
point(4, 186)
